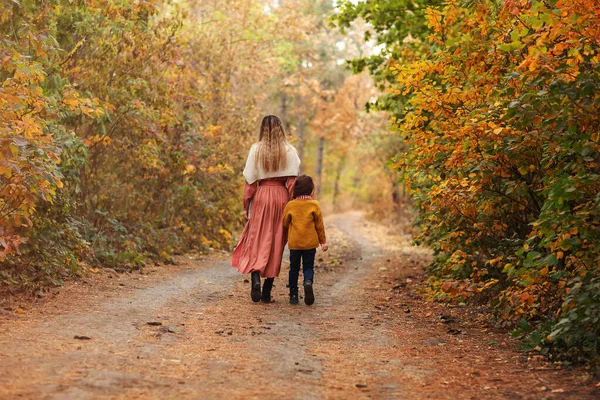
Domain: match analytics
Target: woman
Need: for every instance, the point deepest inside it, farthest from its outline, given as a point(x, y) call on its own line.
point(271, 171)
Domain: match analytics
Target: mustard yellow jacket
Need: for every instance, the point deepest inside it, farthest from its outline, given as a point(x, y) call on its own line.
point(304, 222)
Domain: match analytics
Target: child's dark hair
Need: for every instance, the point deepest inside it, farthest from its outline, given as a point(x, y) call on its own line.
point(304, 186)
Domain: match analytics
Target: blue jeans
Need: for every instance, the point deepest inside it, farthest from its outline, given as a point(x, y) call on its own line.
point(308, 267)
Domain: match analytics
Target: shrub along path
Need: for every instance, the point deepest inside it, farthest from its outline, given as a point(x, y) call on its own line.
point(192, 332)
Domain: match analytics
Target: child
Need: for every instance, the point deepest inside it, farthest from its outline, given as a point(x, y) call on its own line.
point(302, 217)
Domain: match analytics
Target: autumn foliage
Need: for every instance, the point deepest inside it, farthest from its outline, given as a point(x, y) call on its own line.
point(502, 122)
point(124, 124)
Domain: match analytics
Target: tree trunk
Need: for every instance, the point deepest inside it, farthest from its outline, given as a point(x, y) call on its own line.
point(396, 195)
point(320, 163)
point(301, 125)
point(283, 112)
point(338, 175)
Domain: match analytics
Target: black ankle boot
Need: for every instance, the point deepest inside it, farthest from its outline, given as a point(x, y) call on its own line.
point(309, 295)
point(294, 295)
point(266, 291)
point(255, 290)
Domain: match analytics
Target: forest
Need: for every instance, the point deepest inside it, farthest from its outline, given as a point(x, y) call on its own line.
point(124, 128)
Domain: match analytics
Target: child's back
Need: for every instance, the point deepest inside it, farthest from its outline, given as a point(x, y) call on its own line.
point(303, 219)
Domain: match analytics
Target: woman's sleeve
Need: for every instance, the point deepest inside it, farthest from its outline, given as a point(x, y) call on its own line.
point(250, 172)
point(249, 191)
point(290, 183)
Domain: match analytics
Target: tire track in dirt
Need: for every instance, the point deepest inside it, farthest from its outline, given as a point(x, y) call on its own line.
point(118, 320)
point(44, 361)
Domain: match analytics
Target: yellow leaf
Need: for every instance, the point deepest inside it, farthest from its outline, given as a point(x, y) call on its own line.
point(90, 112)
point(226, 235)
point(533, 65)
point(72, 102)
point(189, 169)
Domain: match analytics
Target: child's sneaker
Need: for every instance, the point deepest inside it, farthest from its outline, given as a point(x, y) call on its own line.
point(293, 299)
point(309, 296)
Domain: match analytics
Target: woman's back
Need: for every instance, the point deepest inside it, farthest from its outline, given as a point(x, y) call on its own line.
point(255, 170)
point(271, 171)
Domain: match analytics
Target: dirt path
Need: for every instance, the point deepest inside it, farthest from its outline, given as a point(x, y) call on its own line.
point(367, 336)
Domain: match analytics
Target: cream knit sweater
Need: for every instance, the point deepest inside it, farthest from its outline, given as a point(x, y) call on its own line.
point(254, 172)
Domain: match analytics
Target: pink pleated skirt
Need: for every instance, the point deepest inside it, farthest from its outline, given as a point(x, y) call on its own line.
point(261, 245)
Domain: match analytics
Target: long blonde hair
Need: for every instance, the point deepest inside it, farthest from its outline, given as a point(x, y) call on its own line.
point(272, 145)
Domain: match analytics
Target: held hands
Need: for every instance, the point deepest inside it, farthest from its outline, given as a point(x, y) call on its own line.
point(324, 247)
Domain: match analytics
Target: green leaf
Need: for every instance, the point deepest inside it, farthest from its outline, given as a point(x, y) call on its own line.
point(549, 260)
point(537, 23)
point(515, 35)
